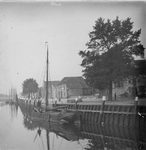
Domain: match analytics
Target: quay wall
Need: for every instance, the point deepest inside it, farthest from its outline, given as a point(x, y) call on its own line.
point(106, 113)
point(129, 115)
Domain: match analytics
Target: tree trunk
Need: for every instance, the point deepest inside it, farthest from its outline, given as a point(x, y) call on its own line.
point(110, 90)
point(134, 92)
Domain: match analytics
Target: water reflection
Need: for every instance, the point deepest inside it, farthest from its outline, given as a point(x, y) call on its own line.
point(13, 110)
point(18, 131)
point(113, 138)
point(69, 132)
point(99, 137)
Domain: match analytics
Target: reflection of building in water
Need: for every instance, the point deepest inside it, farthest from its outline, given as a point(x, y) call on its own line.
point(13, 110)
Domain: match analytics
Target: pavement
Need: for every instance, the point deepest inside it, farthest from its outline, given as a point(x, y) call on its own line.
point(119, 100)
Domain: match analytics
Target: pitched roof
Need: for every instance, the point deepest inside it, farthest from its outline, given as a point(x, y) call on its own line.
point(74, 82)
point(53, 83)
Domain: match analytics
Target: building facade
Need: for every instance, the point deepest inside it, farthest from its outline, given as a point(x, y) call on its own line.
point(71, 87)
point(52, 89)
point(130, 87)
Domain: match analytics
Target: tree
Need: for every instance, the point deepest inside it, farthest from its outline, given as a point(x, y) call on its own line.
point(30, 86)
point(111, 51)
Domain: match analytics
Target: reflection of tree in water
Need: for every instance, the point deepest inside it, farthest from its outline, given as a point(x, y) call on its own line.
point(28, 124)
point(97, 145)
point(93, 145)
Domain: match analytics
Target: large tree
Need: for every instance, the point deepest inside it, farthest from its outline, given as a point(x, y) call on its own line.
point(30, 86)
point(111, 51)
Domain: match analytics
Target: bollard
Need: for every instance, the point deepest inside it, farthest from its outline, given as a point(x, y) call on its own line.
point(55, 102)
point(76, 101)
point(104, 98)
point(102, 109)
point(136, 98)
point(135, 110)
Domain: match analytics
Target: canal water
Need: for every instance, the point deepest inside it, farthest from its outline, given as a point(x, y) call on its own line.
point(18, 132)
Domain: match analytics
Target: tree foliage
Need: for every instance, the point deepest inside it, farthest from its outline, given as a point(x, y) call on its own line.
point(30, 86)
point(111, 51)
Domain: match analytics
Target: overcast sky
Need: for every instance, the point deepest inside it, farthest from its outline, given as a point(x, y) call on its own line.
point(25, 27)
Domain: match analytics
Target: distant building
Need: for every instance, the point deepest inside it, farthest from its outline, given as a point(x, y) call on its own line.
point(129, 88)
point(133, 86)
point(72, 86)
point(52, 89)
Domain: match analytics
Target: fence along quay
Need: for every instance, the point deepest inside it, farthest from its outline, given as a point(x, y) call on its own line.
point(112, 113)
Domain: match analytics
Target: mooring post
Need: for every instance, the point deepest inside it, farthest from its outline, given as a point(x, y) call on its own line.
point(135, 110)
point(101, 110)
point(76, 101)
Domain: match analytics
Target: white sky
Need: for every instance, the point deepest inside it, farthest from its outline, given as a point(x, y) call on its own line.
point(25, 27)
